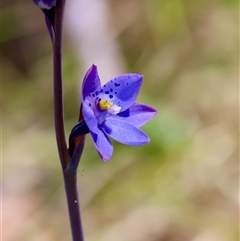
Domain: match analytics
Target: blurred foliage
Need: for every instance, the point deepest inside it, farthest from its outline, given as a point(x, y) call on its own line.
point(184, 184)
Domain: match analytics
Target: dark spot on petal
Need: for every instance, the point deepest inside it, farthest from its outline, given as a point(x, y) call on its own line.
point(127, 83)
point(96, 93)
point(104, 86)
point(116, 93)
point(101, 90)
point(89, 104)
point(93, 95)
point(107, 92)
point(111, 90)
point(110, 96)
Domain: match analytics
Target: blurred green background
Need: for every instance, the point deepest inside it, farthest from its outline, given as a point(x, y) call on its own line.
point(184, 185)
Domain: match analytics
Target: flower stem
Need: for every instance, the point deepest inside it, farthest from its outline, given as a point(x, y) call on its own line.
point(69, 175)
point(70, 181)
point(57, 85)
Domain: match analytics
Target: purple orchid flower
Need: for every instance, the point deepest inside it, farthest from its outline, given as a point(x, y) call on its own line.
point(45, 4)
point(111, 110)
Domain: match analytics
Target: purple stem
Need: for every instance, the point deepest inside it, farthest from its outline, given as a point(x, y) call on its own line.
point(70, 180)
point(69, 175)
point(57, 86)
point(75, 159)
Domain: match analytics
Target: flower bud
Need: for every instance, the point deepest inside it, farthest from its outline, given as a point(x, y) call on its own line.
point(45, 4)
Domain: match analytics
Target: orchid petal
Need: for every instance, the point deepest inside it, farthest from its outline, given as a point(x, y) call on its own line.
point(137, 115)
point(91, 82)
point(103, 145)
point(124, 132)
point(90, 118)
point(122, 90)
point(45, 4)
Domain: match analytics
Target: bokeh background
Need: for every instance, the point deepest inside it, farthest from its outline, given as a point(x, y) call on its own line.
point(184, 185)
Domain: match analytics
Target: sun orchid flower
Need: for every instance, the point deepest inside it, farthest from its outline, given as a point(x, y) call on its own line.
point(45, 4)
point(111, 110)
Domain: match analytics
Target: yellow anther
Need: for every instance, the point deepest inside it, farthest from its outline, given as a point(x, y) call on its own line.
point(104, 104)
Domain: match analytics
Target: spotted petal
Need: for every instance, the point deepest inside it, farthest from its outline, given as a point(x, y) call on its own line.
point(91, 82)
point(137, 115)
point(122, 90)
point(124, 132)
point(103, 145)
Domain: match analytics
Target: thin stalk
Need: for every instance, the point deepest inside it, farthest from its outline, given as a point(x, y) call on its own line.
point(69, 175)
point(57, 85)
point(73, 206)
point(70, 180)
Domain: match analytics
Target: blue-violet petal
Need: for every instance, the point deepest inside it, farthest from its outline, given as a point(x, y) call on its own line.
point(91, 82)
point(45, 4)
point(103, 145)
point(124, 132)
point(90, 118)
point(137, 115)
